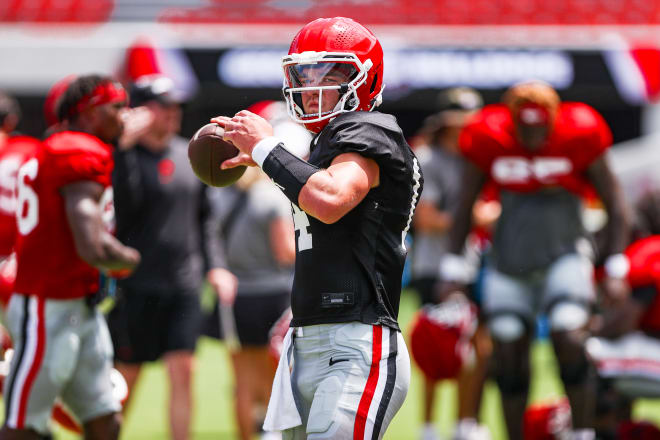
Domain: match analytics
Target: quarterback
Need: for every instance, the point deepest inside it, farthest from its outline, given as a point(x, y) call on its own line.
point(353, 202)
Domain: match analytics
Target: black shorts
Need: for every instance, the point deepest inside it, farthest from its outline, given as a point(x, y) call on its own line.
point(144, 327)
point(254, 316)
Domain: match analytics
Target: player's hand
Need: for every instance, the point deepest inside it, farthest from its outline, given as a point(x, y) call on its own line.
point(224, 283)
point(616, 290)
point(136, 123)
point(130, 258)
point(244, 130)
point(239, 160)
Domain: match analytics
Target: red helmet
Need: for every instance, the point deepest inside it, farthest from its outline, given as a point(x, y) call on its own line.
point(548, 420)
point(332, 55)
point(440, 337)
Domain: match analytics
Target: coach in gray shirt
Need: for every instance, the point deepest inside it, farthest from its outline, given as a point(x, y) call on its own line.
point(257, 228)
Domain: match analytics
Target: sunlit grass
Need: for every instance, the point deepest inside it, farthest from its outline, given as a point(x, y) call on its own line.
point(147, 417)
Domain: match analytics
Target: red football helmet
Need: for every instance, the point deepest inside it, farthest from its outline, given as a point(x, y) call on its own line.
point(332, 55)
point(440, 337)
point(548, 420)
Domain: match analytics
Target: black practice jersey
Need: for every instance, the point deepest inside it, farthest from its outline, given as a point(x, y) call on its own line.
point(351, 270)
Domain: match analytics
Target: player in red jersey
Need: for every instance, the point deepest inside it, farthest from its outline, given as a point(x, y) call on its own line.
point(13, 151)
point(627, 346)
point(64, 217)
point(543, 155)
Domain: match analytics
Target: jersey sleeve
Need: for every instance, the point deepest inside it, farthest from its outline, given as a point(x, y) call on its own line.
point(77, 166)
point(372, 135)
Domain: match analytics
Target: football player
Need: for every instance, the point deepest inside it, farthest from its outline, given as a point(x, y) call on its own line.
point(543, 155)
point(626, 347)
point(13, 151)
point(353, 202)
point(64, 218)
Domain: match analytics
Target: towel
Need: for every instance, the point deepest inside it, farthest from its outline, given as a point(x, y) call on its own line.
point(282, 411)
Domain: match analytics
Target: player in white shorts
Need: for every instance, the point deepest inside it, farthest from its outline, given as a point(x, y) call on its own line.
point(353, 202)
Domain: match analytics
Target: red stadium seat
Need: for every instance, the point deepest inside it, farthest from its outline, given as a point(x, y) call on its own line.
point(475, 12)
point(55, 11)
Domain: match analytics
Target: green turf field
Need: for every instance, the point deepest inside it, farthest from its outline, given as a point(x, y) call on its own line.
point(147, 419)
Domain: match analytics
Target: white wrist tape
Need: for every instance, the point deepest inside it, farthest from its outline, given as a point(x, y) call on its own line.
point(263, 148)
point(617, 266)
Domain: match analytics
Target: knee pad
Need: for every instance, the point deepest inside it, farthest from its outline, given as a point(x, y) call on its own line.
point(568, 316)
point(323, 411)
point(506, 328)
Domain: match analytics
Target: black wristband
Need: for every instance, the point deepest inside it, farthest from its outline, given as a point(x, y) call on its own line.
point(288, 171)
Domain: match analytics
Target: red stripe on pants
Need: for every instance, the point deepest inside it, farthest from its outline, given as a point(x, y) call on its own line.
point(36, 364)
point(370, 388)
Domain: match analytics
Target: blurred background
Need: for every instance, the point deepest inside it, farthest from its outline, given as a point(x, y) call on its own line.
point(224, 55)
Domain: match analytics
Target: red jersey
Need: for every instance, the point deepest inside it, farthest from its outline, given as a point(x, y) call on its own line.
point(644, 257)
point(48, 263)
point(12, 155)
point(579, 136)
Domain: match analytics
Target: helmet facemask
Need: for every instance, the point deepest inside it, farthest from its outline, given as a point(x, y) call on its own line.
point(327, 83)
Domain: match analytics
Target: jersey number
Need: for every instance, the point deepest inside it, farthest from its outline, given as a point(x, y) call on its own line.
point(27, 203)
point(301, 223)
point(522, 170)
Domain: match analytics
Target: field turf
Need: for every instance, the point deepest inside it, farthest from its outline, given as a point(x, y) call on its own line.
point(147, 418)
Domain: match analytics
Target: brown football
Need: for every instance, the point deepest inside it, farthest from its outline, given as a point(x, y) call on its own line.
point(207, 150)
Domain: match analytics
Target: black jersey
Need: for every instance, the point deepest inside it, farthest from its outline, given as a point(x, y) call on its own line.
point(351, 270)
point(164, 211)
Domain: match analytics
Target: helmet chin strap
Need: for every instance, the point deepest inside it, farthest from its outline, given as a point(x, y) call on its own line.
point(378, 99)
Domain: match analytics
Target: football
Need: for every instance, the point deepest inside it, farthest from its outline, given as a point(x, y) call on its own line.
point(207, 150)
